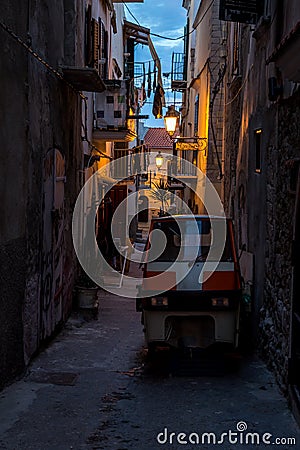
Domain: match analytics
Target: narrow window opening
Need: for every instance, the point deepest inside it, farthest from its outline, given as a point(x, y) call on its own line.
point(258, 134)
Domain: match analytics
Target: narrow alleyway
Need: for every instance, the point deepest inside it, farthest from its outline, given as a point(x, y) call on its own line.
point(91, 389)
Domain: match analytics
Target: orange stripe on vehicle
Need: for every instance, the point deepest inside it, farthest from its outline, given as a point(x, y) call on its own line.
point(220, 281)
point(165, 281)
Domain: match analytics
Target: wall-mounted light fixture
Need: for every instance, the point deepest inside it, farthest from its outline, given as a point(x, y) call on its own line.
point(89, 160)
point(159, 160)
point(171, 120)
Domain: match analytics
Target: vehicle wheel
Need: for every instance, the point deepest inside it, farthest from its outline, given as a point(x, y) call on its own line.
point(151, 350)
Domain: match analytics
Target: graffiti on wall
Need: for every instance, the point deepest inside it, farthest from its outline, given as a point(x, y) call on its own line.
point(51, 304)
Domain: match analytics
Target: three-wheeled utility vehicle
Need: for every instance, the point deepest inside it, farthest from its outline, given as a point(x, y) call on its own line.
point(191, 290)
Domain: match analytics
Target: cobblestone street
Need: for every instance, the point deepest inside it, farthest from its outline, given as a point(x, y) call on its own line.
point(93, 388)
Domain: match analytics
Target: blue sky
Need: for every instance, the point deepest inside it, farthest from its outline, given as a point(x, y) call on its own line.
point(167, 18)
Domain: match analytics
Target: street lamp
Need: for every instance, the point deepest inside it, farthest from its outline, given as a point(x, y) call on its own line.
point(171, 120)
point(159, 160)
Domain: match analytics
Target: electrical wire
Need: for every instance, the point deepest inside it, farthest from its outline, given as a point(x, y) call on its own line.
point(132, 15)
point(190, 32)
point(215, 91)
point(241, 88)
point(204, 14)
point(167, 37)
point(39, 58)
point(59, 76)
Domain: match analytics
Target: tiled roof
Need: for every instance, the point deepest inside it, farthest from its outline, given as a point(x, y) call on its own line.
point(158, 138)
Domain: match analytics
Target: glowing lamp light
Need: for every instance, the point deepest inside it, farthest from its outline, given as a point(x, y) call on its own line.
point(171, 120)
point(159, 159)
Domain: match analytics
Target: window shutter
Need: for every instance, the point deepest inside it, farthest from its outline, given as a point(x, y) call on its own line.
point(88, 37)
point(95, 35)
point(103, 51)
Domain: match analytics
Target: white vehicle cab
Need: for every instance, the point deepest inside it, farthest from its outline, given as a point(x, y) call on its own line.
point(191, 291)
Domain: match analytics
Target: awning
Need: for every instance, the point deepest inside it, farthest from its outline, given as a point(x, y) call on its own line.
point(113, 135)
point(140, 34)
point(83, 78)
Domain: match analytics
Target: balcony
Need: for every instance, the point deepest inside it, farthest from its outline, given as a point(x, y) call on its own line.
point(181, 173)
point(83, 78)
point(111, 122)
point(179, 72)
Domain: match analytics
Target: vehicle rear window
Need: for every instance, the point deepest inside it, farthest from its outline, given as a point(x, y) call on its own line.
point(180, 243)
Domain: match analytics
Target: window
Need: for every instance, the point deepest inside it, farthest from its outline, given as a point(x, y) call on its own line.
point(257, 143)
point(187, 242)
point(103, 51)
point(196, 115)
point(88, 37)
point(236, 50)
point(95, 43)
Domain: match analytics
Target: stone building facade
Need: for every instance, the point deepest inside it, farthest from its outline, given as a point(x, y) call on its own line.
point(40, 162)
point(65, 105)
point(258, 137)
point(203, 98)
point(261, 173)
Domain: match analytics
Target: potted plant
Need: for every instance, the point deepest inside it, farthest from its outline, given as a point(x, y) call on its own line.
point(160, 192)
point(86, 292)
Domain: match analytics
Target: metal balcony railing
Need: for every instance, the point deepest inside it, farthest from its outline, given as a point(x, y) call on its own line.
point(182, 168)
point(179, 72)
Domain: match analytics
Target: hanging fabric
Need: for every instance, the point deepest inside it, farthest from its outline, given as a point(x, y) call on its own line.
point(157, 103)
point(143, 94)
point(158, 64)
point(144, 75)
point(154, 77)
point(149, 81)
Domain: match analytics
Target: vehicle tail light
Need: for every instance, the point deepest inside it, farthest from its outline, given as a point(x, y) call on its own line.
point(159, 301)
point(220, 301)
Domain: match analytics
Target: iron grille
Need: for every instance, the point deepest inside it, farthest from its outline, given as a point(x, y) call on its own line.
point(243, 11)
point(179, 72)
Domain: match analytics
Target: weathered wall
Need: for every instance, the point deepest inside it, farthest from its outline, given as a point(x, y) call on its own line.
point(41, 113)
point(261, 201)
point(13, 189)
point(275, 323)
point(55, 121)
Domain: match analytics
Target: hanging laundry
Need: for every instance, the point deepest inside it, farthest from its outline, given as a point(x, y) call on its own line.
point(131, 95)
point(149, 81)
point(144, 75)
point(136, 98)
point(143, 94)
point(157, 103)
point(154, 77)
